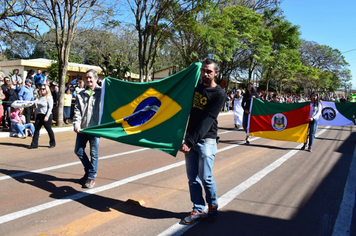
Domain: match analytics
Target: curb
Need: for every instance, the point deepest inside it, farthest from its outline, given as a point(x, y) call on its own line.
point(226, 113)
point(63, 129)
point(43, 131)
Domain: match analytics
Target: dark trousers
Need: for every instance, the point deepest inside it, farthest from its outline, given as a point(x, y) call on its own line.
point(6, 117)
point(27, 113)
point(39, 121)
point(55, 113)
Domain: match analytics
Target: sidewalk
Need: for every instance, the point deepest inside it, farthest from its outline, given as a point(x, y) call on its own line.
point(4, 134)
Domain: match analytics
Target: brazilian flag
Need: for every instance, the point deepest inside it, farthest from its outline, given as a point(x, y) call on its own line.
point(151, 114)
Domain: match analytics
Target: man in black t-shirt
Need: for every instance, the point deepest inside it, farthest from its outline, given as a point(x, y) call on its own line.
point(200, 143)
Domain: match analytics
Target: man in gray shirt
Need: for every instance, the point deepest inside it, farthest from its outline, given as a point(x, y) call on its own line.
point(86, 114)
point(16, 80)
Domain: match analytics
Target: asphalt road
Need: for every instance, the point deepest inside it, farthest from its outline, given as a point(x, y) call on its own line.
point(267, 188)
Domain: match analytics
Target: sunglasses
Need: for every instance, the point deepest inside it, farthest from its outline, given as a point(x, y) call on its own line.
point(43, 88)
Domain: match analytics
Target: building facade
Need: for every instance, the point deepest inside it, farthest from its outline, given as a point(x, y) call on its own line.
point(24, 66)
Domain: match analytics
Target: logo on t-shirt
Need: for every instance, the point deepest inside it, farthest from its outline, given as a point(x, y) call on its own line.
point(199, 101)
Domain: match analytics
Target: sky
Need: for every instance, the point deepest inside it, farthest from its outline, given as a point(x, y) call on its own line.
point(327, 22)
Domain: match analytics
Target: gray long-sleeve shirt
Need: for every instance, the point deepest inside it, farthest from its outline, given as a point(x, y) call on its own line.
point(44, 106)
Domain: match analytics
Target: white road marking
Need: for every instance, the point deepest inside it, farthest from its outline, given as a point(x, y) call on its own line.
point(344, 219)
point(35, 209)
point(179, 229)
point(66, 165)
point(43, 131)
point(75, 163)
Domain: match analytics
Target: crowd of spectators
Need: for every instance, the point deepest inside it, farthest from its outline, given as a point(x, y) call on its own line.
point(234, 93)
point(13, 88)
point(19, 121)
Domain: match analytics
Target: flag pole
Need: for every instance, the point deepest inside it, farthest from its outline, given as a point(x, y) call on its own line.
point(248, 119)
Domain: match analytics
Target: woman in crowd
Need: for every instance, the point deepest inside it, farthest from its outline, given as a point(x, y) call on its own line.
point(238, 111)
point(249, 94)
point(18, 125)
point(44, 116)
point(315, 111)
point(10, 97)
point(30, 75)
point(231, 98)
point(2, 97)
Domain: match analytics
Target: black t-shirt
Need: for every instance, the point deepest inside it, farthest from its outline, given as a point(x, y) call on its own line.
point(246, 101)
point(10, 95)
point(207, 104)
point(4, 87)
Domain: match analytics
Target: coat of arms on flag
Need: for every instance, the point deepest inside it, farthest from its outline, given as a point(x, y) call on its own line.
point(337, 114)
point(280, 121)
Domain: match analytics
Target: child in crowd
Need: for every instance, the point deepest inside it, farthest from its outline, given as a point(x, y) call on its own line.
point(67, 105)
point(21, 129)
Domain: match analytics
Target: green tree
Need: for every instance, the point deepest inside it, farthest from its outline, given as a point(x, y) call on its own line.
point(114, 50)
point(254, 51)
point(284, 60)
point(330, 64)
point(307, 78)
point(53, 74)
point(255, 5)
point(20, 47)
point(39, 51)
point(228, 34)
point(30, 17)
point(190, 33)
point(167, 56)
point(250, 44)
point(153, 25)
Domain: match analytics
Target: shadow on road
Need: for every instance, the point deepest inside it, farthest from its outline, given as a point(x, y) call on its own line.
point(94, 201)
point(14, 144)
point(316, 214)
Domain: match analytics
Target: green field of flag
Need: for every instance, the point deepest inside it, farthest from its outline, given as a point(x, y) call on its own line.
point(152, 114)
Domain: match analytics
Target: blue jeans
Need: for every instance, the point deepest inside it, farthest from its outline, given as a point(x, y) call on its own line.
point(20, 128)
point(90, 166)
point(313, 127)
point(199, 164)
point(227, 106)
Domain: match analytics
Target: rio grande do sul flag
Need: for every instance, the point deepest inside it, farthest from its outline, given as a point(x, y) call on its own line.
point(337, 114)
point(279, 121)
point(152, 114)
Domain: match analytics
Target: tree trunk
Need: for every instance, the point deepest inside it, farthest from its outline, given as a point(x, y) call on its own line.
point(62, 79)
point(63, 57)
